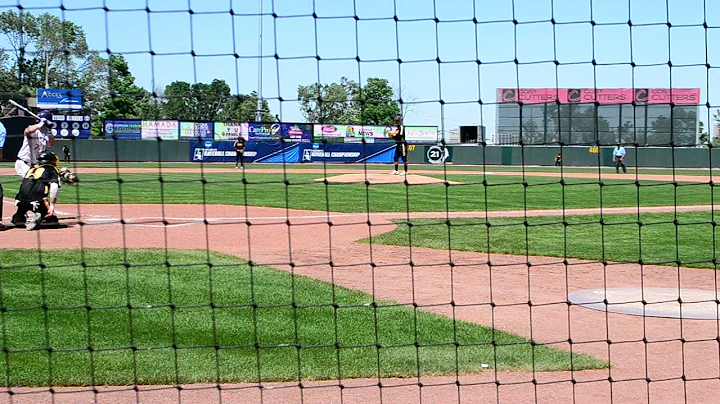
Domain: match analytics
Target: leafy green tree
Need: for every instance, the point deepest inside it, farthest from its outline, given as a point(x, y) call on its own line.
point(331, 103)
point(20, 30)
point(124, 96)
point(377, 106)
point(242, 107)
point(59, 48)
point(210, 99)
point(152, 107)
point(9, 83)
point(211, 102)
point(179, 103)
point(348, 102)
point(59, 44)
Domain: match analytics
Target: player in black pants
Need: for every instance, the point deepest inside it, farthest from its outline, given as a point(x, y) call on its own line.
point(38, 193)
point(66, 152)
point(400, 147)
point(2, 195)
point(239, 151)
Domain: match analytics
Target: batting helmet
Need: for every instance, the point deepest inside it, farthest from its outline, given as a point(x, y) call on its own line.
point(48, 157)
point(45, 115)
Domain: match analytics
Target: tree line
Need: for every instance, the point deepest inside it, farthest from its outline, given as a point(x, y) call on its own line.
point(47, 52)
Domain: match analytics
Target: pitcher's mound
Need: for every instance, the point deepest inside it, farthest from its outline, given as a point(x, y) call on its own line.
point(383, 178)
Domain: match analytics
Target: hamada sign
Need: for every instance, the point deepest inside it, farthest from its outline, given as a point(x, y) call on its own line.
point(685, 96)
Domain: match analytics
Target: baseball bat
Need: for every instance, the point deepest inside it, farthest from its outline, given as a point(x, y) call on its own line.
point(24, 109)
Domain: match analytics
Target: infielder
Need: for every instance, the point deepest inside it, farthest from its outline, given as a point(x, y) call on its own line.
point(36, 140)
point(240, 152)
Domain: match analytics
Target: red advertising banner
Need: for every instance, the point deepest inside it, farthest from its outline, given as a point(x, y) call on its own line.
point(686, 96)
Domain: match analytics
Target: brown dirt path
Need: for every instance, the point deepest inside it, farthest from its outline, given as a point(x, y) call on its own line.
point(319, 171)
point(276, 237)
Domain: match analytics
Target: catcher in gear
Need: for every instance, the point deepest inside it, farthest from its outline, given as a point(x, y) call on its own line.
point(38, 193)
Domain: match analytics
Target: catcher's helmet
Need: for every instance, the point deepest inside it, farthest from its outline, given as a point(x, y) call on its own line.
point(45, 115)
point(48, 157)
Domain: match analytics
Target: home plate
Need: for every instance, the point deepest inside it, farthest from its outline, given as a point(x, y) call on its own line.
point(659, 302)
point(382, 178)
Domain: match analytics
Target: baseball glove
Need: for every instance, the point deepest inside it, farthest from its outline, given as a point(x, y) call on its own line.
point(67, 177)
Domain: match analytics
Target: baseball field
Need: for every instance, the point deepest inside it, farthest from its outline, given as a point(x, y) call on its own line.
point(343, 283)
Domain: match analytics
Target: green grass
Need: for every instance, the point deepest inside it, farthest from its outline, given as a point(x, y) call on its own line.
point(385, 167)
point(140, 312)
point(428, 167)
point(302, 192)
point(620, 239)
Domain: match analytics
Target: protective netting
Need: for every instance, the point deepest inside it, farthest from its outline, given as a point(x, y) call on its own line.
point(552, 241)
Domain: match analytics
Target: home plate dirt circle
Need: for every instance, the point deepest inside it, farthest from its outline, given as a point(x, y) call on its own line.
point(659, 302)
point(384, 178)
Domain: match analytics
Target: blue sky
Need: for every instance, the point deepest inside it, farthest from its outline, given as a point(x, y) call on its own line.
point(172, 32)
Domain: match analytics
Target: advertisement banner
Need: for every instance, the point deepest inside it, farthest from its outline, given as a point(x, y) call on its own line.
point(372, 134)
point(331, 133)
point(352, 133)
point(686, 96)
point(123, 129)
point(262, 132)
point(275, 152)
point(363, 131)
point(50, 98)
point(224, 152)
point(347, 153)
point(230, 130)
point(421, 134)
point(165, 130)
point(71, 126)
point(297, 132)
point(196, 130)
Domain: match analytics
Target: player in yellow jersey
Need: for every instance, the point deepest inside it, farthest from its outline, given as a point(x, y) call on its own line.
point(38, 193)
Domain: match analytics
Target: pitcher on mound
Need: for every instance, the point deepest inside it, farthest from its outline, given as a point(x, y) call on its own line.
point(400, 147)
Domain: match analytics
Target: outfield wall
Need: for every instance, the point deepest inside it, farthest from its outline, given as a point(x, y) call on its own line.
point(577, 156)
point(181, 151)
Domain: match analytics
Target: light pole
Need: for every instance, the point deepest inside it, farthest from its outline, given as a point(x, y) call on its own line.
point(259, 112)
